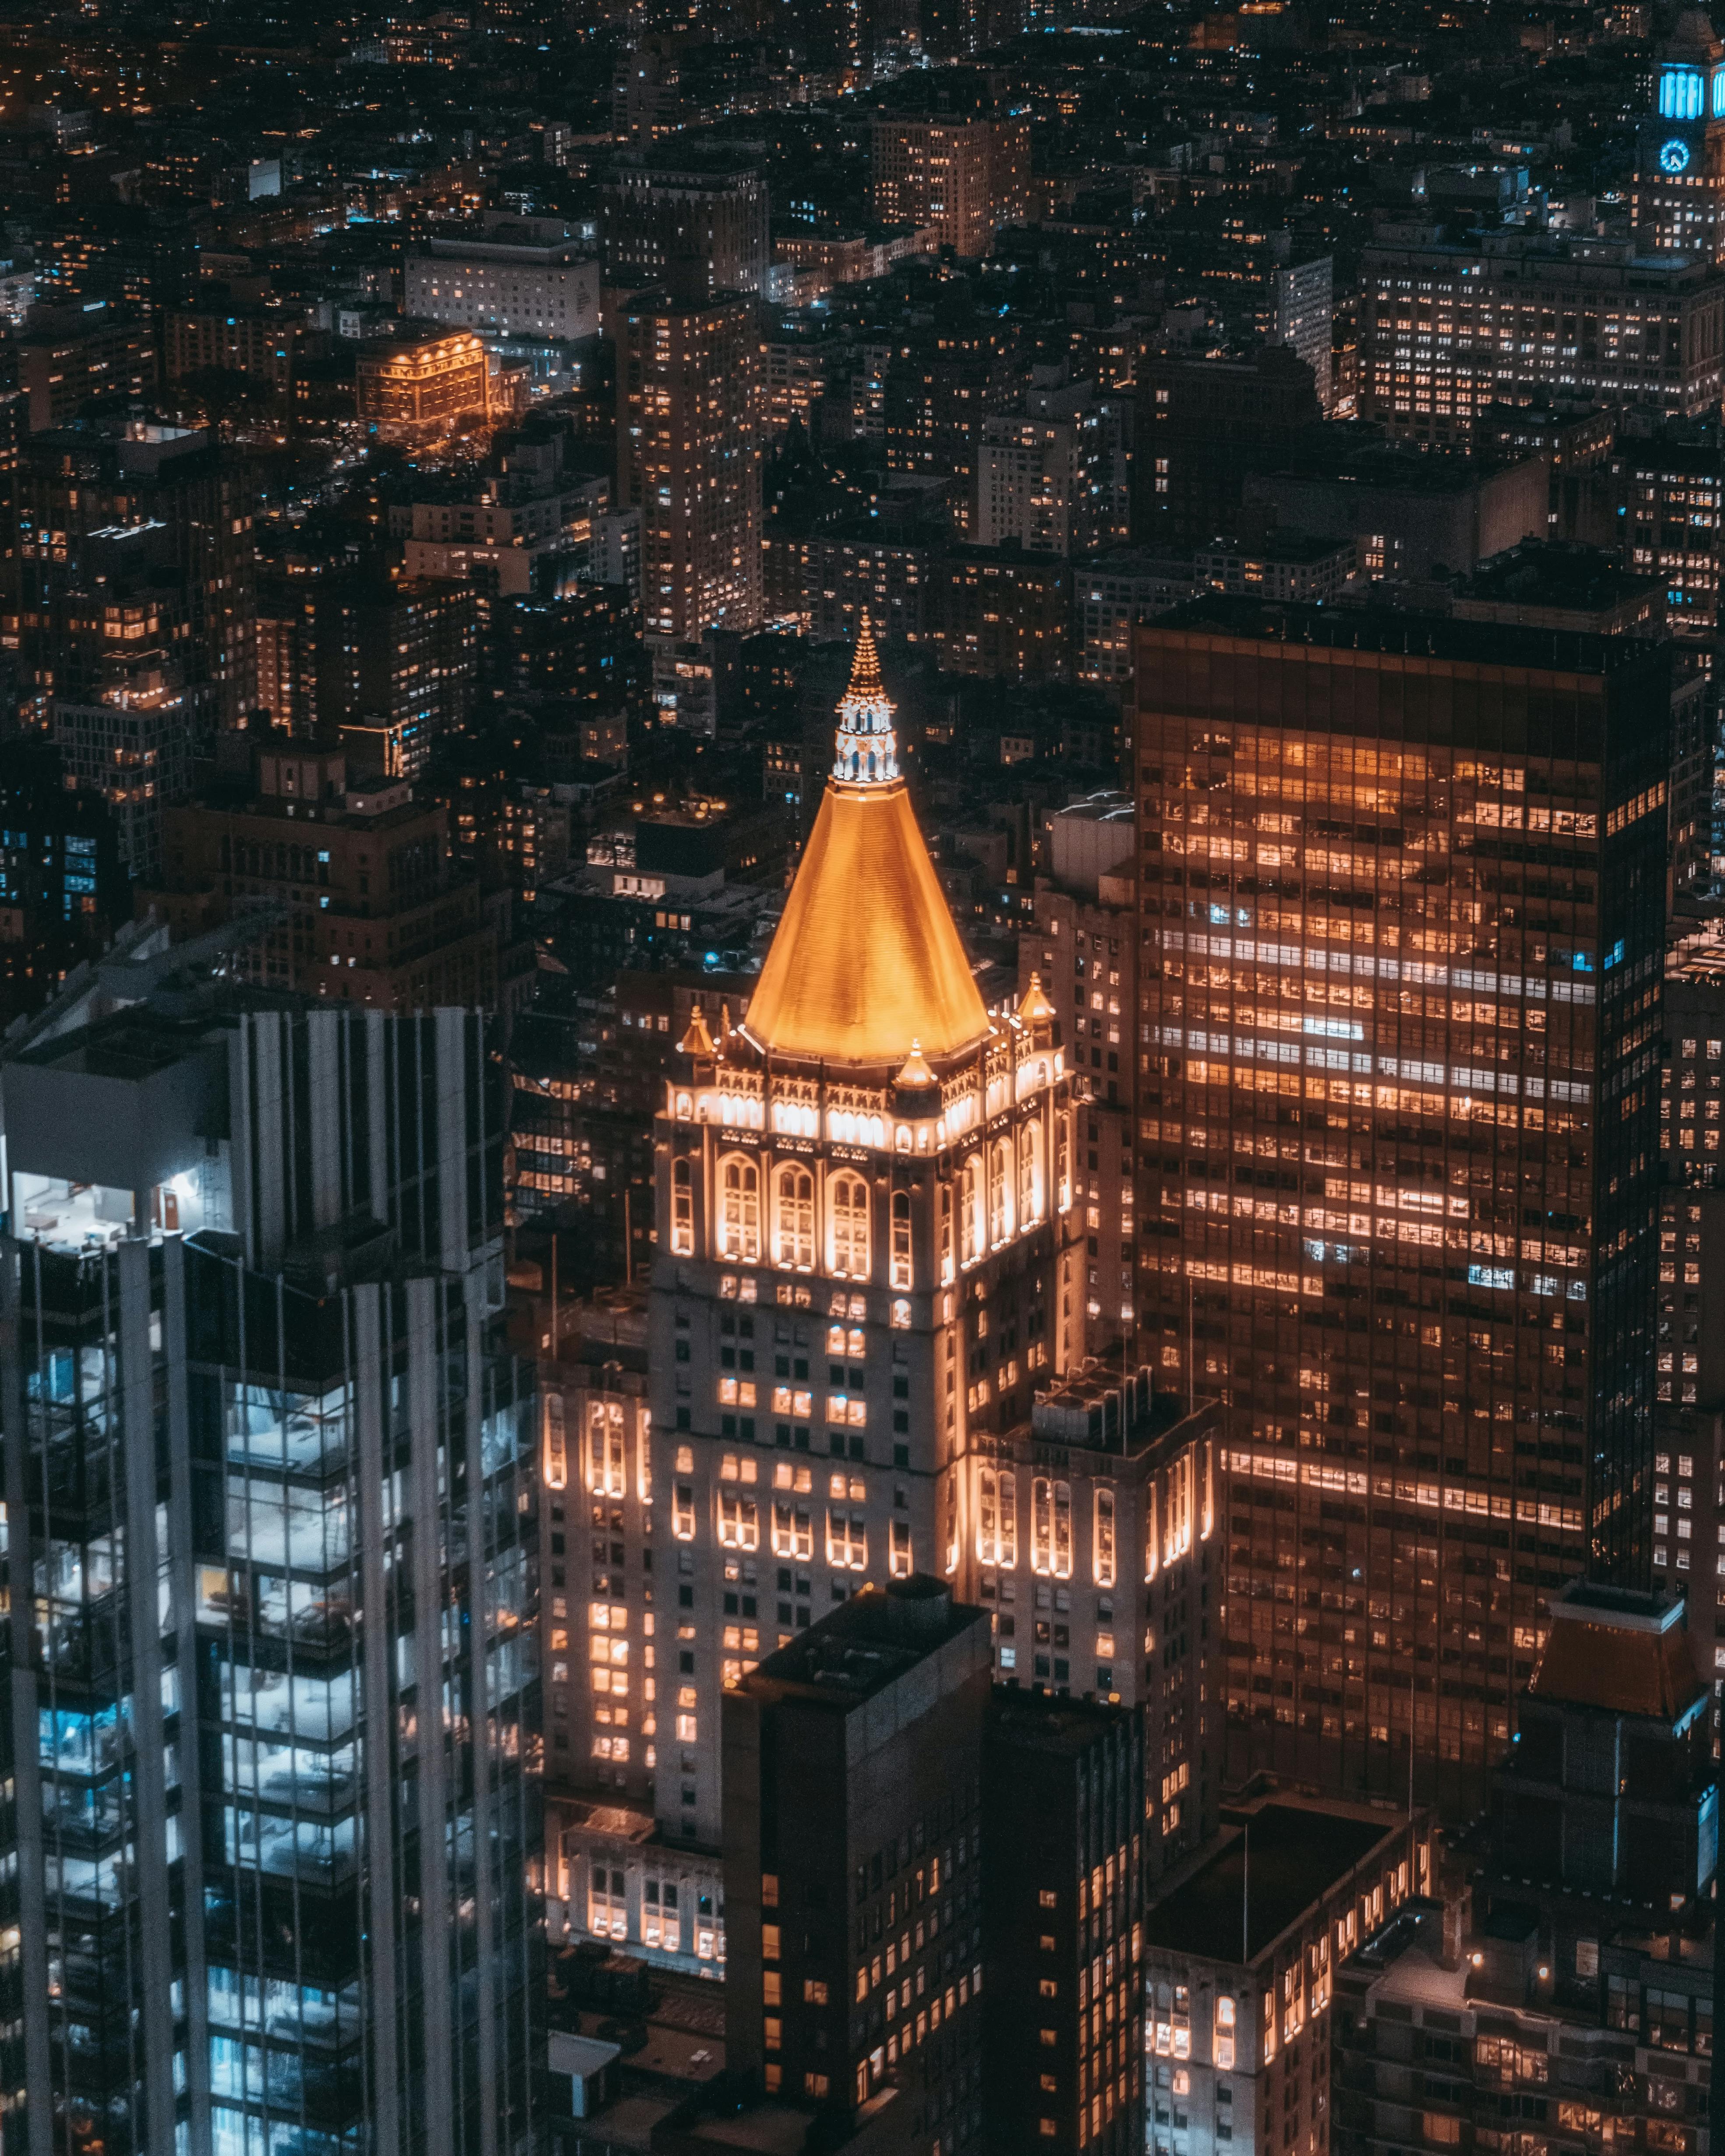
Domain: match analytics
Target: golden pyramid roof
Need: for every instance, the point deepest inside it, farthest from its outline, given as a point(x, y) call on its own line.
point(866, 960)
point(866, 966)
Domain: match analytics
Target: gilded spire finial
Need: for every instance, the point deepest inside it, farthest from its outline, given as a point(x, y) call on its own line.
point(867, 746)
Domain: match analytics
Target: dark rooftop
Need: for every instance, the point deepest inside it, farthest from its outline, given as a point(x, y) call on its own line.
point(1545, 573)
point(869, 1641)
point(1287, 1858)
point(1039, 1722)
point(1395, 635)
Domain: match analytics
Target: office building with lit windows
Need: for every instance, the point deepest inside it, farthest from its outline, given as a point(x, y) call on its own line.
point(273, 1706)
point(1402, 904)
point(863, 1266)
point(1242, 1950)
point(1448, 327)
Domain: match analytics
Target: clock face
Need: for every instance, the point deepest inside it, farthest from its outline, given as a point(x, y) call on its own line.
point(1674, 156)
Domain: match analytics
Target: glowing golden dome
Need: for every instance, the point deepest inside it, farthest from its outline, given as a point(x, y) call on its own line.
point(866, 963)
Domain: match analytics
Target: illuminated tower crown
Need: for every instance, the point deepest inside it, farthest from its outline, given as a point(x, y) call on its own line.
point(868, 748)
point(866, 960)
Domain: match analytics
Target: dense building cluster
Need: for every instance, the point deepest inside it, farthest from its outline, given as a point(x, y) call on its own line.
point(862, 1031)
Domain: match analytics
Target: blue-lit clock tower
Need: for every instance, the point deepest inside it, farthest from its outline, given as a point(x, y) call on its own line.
point(1680, 161)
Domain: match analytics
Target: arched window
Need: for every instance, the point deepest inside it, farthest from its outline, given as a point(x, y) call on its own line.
point(794, 1218)
point(556, 1458)
point(1101, 1565)
point(972, 1232)
point(943, 1230)
point(1000, 1207)
point(739, 1208)
point(1030, 1174)
point(1063, 1162)
point(900, 1238)
point(848, 1225)
point(682, 1210)
point(1051, 1528)
point(988, 1516)
point(606, 1465)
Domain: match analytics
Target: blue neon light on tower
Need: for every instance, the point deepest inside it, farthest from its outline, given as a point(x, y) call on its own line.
point(1680, 94)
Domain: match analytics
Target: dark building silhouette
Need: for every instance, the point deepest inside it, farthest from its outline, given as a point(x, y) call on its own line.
point(1062, 1909)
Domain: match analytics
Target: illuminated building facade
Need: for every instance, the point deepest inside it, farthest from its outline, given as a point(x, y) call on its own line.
point(1242, 1952)
point(689, 459)
point(413, 388)
point(960, 178)
point(1449, 327)
point(1672, 490)
point(863, 1268)
point(1676, 195)
point(1401, 900)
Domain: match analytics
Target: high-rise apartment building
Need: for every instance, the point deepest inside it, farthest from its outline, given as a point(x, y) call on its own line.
point(1678, 190)
point(1401, 902)
point(960, 177)
point(132, 535)
point(366, 904)
point(401, 656)
point(701, 232)
point(74, 356)
point(689, 459)
point(271, 1710)
point(1446, 326)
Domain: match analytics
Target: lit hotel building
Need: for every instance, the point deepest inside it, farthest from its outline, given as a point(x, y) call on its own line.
point(1402, 904)
point(413, 388)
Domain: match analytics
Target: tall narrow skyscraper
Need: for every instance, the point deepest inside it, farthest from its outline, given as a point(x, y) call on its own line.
point(689, 459)
point(270, 1710)
point(1402, 906)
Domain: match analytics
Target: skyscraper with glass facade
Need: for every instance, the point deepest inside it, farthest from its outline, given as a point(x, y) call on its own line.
point(1402, 904)
point(271, 1699)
